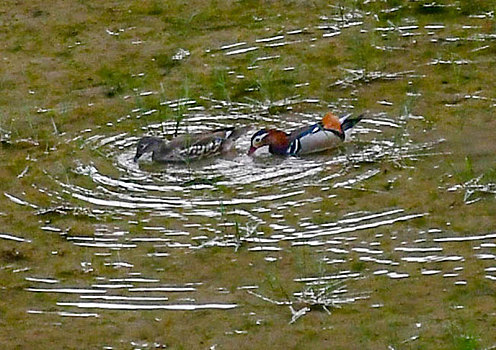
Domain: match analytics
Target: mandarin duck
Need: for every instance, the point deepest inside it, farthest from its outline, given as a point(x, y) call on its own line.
point(189, 147)
point(326, 134)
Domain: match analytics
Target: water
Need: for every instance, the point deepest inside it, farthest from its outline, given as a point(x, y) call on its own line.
point(147, 217)
point(224, 202)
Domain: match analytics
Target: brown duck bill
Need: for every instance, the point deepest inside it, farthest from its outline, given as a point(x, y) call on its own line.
point(251, 150)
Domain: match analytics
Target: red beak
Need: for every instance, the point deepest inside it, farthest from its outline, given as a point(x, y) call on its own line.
point(251, 150)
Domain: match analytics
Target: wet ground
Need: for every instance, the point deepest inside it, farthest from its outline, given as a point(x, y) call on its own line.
point(321, 234)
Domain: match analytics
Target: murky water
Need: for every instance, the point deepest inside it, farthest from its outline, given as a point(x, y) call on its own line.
point(223, 202)
point(258, 205)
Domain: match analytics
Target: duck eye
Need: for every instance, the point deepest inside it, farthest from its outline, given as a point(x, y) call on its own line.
point(258, 139)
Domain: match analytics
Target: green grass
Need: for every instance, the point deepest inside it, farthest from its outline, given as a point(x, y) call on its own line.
point(59, 56)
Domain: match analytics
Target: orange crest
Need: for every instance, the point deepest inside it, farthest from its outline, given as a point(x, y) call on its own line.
point(330, 121)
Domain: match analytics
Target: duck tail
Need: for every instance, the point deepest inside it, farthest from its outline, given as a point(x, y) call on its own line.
point(234, 133)
point(348, 122)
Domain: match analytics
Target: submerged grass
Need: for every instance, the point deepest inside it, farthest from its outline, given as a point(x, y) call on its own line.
point(71, 66)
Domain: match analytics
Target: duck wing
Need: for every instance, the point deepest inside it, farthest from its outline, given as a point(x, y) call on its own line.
point(217, 141)
point(190, 147)
point(300, 132)
point(314, 138)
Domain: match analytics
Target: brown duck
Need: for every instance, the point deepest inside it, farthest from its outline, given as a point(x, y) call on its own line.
point(189, 147)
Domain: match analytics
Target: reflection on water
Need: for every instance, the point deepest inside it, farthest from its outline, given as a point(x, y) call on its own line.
point(230, 202)
point(226, 202)
point(267, 205)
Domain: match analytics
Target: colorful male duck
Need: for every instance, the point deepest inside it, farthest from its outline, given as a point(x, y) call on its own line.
point(328, 133)
point(188, 147)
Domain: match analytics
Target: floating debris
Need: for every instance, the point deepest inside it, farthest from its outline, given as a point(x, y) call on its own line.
point(180, 55)
point(473, 187)
point(114, 33)
point(362, 75)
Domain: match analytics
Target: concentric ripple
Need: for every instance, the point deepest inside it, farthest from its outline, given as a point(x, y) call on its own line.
point(262, 206)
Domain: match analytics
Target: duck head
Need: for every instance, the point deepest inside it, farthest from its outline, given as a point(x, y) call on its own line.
point(147, 144)
point(259, 139)
point(277, 141)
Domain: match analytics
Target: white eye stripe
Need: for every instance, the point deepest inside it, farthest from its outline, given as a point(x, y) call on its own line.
point(259, 139)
